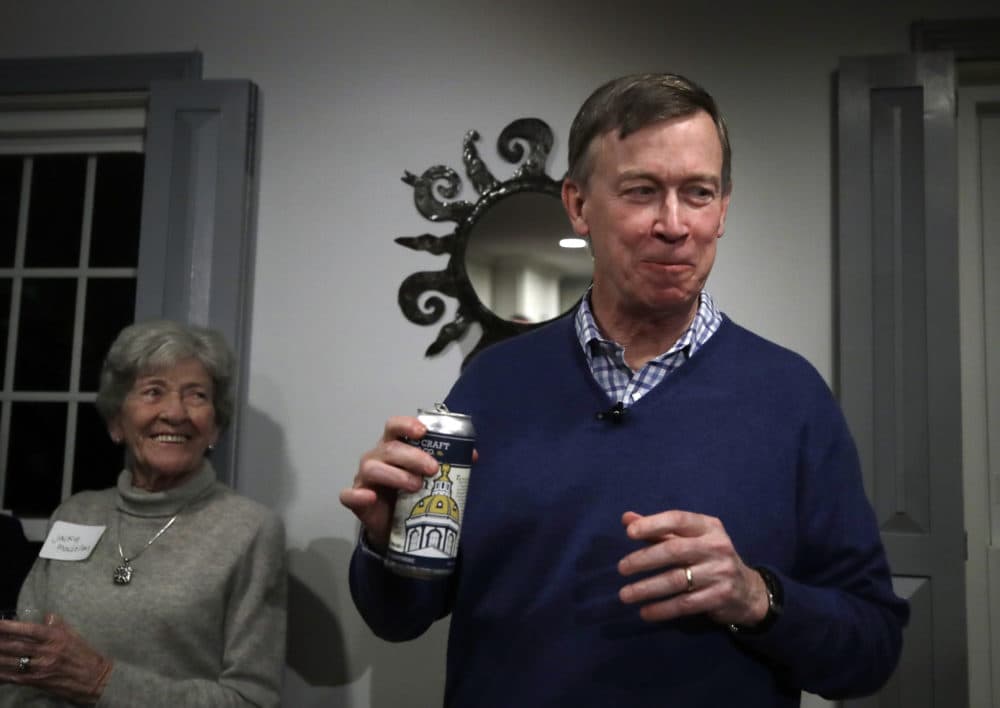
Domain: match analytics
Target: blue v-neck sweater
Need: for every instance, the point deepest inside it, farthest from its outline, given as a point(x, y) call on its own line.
point(745, 431)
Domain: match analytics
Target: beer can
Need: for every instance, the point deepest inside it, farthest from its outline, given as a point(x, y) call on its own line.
point(426, 524)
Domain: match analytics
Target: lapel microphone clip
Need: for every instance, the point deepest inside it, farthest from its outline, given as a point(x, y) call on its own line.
point(615, 414)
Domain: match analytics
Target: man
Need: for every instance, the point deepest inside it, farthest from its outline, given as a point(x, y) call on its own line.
point(704, 539)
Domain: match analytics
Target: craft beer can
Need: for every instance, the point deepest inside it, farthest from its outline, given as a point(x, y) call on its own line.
point(426, 524)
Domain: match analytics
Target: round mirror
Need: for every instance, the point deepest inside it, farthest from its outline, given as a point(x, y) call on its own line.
point(516, 264)
point(506, 266)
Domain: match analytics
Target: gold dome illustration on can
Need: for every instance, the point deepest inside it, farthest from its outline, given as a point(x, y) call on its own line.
point(434, 521)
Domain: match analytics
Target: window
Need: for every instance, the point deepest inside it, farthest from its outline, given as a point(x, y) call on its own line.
point(126, 189)
point(69, 236)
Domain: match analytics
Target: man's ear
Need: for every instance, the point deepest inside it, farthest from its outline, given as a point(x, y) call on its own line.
point(573, 199)
point(725, 212)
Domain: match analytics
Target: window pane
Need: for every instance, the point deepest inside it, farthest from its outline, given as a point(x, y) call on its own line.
point(45, 334)
point(56, 211)
point(10, 203)
point(96, 460)
point(117, 211)
point(110, 306)
point(35, 460)
point(5, 285)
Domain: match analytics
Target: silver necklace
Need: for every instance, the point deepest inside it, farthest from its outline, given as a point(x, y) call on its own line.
point(123, 572)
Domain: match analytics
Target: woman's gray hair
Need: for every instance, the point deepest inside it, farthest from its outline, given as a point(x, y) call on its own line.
point(630, 103)
point(146, 347)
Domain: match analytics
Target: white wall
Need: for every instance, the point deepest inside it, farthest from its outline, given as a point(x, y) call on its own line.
point(524, 289)
point(539, 294)
point(353, 93)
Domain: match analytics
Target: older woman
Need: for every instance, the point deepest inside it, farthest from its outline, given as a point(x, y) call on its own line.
point(181, 601)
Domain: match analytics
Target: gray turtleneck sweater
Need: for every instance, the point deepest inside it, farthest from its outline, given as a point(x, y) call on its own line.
point(202, 623)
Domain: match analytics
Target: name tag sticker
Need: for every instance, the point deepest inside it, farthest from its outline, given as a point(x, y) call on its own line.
point(71, 542)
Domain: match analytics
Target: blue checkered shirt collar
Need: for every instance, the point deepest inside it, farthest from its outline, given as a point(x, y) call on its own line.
point(606, 358)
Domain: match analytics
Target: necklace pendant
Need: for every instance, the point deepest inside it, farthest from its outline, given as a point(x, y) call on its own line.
point(123, 573)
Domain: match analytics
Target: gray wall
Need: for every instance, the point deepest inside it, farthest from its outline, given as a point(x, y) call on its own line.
point(353, 93)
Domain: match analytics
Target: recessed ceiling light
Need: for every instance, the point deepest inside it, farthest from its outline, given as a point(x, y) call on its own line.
point(572, 243)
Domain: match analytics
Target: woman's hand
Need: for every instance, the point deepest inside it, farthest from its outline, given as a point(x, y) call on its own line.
point(59, 661)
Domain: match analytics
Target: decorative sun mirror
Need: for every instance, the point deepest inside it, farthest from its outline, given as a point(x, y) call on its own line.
point(506, 266)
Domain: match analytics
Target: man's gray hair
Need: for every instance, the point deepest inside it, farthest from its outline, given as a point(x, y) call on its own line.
point(630, 103)
point(146, 347)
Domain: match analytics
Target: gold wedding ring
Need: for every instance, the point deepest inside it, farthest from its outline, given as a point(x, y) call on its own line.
point(689, 576)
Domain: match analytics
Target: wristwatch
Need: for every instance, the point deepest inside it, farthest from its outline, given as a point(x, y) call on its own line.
point(775, 600)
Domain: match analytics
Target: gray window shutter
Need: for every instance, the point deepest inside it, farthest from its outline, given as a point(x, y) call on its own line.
point(899, 377)
point(196, 247)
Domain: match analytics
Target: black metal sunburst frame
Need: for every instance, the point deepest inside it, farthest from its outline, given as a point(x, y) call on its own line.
point(453, 281)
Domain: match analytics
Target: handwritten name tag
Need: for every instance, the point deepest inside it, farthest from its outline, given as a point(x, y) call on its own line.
point(70, 542)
